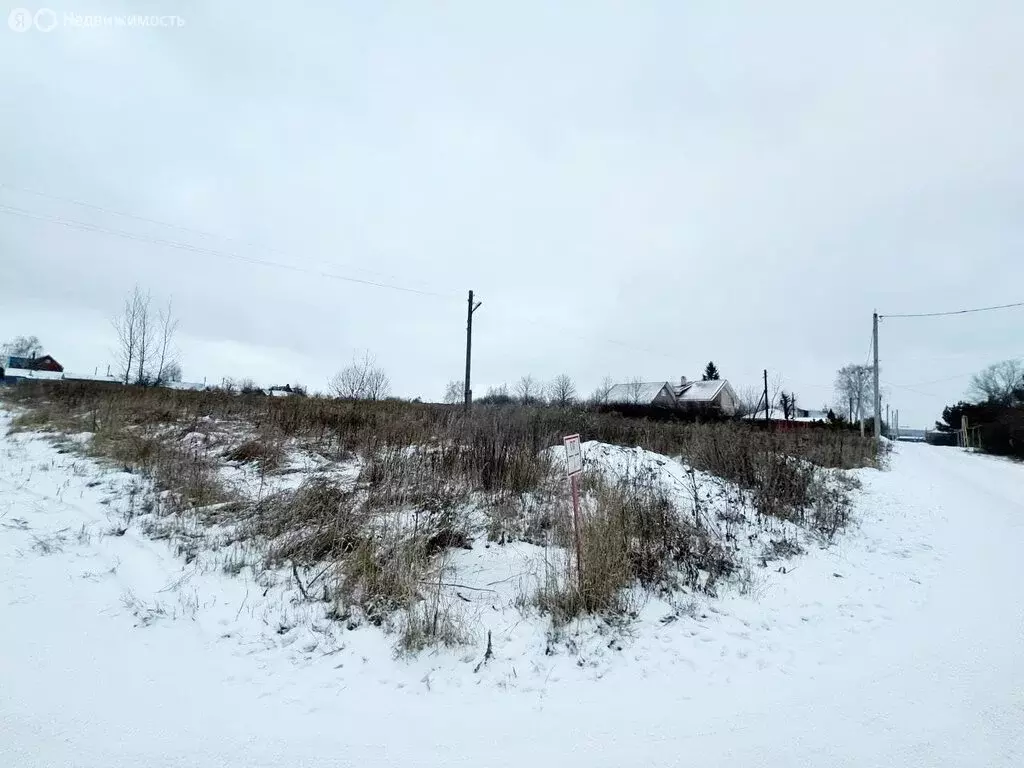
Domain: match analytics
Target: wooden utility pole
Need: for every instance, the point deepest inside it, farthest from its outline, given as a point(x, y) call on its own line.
point(878, 398)
point(471, 308)
point(766, 417)
point(888, 421)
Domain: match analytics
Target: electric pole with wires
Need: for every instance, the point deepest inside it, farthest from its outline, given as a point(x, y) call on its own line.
point(471, 308)
point(878, 399)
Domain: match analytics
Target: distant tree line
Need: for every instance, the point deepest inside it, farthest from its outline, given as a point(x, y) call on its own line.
point(995, 412)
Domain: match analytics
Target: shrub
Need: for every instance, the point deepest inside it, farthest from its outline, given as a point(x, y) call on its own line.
point(634, 535)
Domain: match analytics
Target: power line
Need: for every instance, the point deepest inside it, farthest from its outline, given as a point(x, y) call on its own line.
point(958, 311)
point(916, 391)
point(86, 227)
point(201, 250)
point(935, 381)
point(178, 227)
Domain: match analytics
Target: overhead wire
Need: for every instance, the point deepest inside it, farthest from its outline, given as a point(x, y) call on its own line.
point(87, 227)
point(181, 228)
point(203, 250)
point(955, 312)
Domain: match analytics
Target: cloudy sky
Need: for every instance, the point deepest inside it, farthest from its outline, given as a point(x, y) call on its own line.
point(631, 189)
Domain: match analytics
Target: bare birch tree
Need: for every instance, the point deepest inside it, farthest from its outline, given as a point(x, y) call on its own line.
point(168, 368)
point(144, 340)
point(127, 327)
point(145, 343)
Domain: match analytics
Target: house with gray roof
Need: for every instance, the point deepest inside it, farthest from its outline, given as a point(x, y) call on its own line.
point(686, 396)
point(651, 393)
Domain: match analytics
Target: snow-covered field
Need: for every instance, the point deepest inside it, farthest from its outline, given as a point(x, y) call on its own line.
point(899, 644)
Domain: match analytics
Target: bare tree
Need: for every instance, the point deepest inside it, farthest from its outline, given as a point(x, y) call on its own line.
point(601, 393)
point(171, 372)
point(144, 341)
point(21, 346)
point(774, 390)
point(131, 327)
point(455, 392)
point(496, 396)
point(749, 401)
point(854, 384)
point(998, 383)
point(362, 380)
point(634, 389)
point(562, 391)
point(249, 386)
point(168, 368)
point(528, 389)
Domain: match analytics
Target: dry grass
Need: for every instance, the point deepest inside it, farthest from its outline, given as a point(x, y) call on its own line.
point(380, 542)
point(634, 535)
point(266, 452)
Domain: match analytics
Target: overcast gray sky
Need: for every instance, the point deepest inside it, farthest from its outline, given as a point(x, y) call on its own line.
point(631, 189)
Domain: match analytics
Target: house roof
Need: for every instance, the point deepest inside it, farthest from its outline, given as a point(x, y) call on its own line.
point(90, 377)
point(24, 373)
point(639, 392)
point(187, 385)
point(777, 414)
point(700, 391)
point(27, 363)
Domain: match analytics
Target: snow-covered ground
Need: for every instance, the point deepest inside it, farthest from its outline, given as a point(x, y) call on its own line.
point(900, 644)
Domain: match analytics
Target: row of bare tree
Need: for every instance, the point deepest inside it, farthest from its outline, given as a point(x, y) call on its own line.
point(560, 391)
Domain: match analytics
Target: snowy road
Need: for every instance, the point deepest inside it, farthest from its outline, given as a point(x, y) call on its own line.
point(903, 646)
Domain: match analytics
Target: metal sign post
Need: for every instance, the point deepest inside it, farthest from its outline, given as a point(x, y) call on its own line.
point(573, 468)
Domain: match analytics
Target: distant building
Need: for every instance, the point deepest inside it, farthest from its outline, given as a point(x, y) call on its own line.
point(717, 396)
point(12, 376)
point(42, 363)
point(651, 393)
point(810, 413)
point(104, 377)
point(799, 415)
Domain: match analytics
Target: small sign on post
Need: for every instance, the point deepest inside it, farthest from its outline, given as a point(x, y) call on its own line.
point(573, 455)
point(573, 468)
